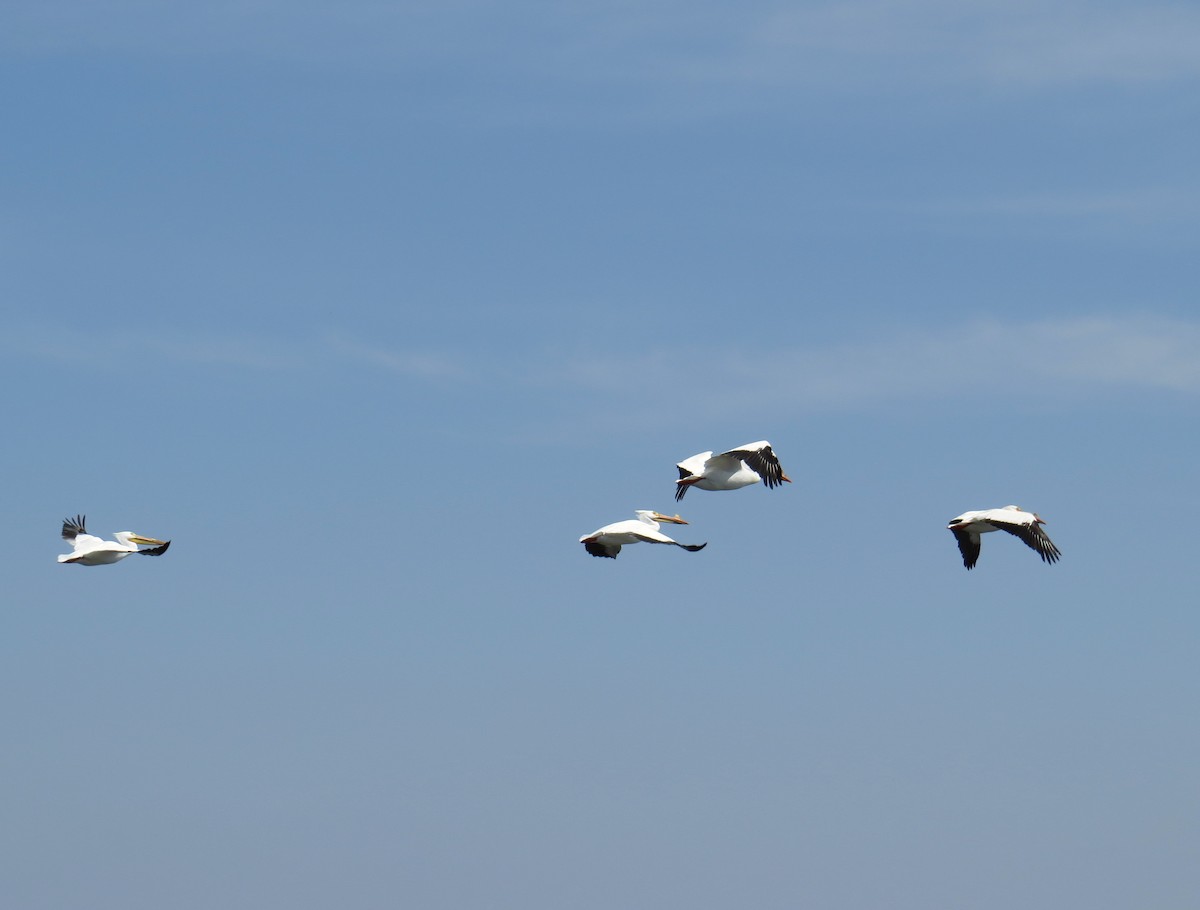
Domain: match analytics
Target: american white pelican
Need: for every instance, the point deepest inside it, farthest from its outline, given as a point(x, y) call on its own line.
point(731, 470)
point(609, 539)
point(92, 551)
point(1025, 525)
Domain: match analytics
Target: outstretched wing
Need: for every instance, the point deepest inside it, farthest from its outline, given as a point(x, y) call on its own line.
point(653, 537)
point(1033, 536)
point(75, 533)
point(72, 527)
point(968, 546)
point(760, 458)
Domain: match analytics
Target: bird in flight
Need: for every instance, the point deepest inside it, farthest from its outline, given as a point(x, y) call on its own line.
point(608, 540)
point(731, 470)
point(87, 550)
point(1016, 521)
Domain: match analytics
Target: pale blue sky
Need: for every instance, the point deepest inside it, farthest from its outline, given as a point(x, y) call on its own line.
point(375, 308)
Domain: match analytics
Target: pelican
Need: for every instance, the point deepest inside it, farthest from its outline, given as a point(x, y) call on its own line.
point(92, 551)
point(1013, 519)
point(609, 539)
point(731, 470)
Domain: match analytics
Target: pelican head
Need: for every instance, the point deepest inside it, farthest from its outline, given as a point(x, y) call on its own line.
point(128, 537)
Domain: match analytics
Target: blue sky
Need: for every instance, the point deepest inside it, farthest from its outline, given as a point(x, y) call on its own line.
point(374, 309)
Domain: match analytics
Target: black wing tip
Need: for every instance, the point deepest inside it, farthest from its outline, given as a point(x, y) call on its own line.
point(765, 464)
point(74, 526)
point(1050, 552)
point(694, 547)
point(969, 548)
point(680, 489)
point(155, 551)
point(1034, 538)
point(599, 550)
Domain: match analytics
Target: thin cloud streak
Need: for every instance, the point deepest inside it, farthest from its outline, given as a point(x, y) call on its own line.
point(1063, 359)
point(115, 350)
point(660, 45)
point(1173, 203)
point(426, 365)
point(100, 350)
point(1007, 44)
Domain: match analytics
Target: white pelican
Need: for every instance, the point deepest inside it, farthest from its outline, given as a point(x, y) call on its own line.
point(731, 470)
point(92, 551)
point(609, 539)
point(1025, 525)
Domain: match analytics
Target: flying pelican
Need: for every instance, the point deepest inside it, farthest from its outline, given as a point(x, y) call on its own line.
point(1025, 525)
point(731, 470)
point(608, 540)
point(92, 551)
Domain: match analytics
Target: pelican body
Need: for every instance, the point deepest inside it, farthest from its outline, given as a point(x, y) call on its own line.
point(93, 551)
point(609, 539)
point(1016, 521)
point(731, 470)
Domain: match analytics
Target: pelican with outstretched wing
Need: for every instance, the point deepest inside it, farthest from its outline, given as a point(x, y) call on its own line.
point(609, 539)
point(94, 551)
point(732, 470)
point(1016, 521)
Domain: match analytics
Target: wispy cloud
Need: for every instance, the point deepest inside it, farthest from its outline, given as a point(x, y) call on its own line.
point(1136, 204)
point(149, 350)
point(1077, 43)
point(1000, 42)
point(426, 365)
point(1042, 360)
point(832, 44)
point(1063, 361)
point(114, 349)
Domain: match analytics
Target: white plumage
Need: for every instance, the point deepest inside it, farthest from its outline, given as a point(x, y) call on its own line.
point(731, 470)
point(1016, 521)
point(87, 550)
point(608, 540)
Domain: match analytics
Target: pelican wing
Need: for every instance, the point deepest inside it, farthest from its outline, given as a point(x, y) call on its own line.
point(73, 527)
point(154, 551)
point(1032, 535)
point(760, 458)
point(653, 537)
point(599, 549)
point(690, 467)
point(968, 545)
point(75, 532)
point(693, 465)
